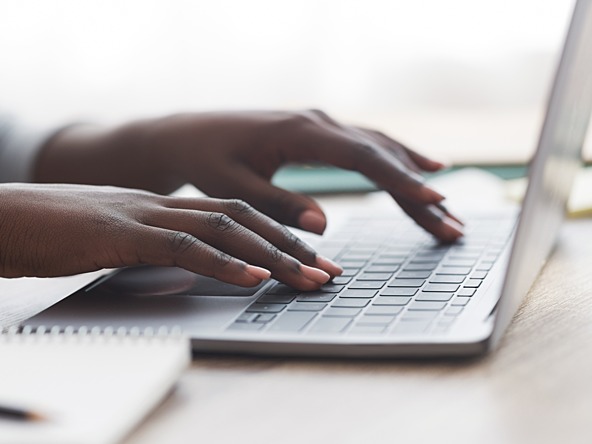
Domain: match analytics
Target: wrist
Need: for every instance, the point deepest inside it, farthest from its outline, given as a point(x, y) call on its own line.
point(68, 155)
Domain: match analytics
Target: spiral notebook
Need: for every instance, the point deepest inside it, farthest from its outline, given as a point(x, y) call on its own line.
point(93, 386)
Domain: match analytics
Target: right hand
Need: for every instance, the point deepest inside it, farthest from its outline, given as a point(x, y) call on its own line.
point(57, 230)
point(236, 154)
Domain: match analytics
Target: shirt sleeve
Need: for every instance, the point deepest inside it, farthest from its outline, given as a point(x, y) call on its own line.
point(19, 147)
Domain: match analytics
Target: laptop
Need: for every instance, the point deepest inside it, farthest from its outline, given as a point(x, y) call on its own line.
point(402, 293)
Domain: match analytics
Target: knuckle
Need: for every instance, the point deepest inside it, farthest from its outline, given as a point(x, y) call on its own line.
point(220, 221)
point(273, 253)
point(318, 113)
point(281, 200)
point(301, 118)
point(294, 242)
point(221, 259)
point(237, 206)
point(364, 153)
point(180, 242)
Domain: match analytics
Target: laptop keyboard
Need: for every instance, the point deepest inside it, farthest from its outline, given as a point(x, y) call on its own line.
point(397, 280)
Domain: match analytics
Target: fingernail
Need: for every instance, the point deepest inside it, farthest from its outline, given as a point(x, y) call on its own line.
point(312, 221)
point(258, 272)
point(447, 213)
point(455, 229)
point(314, 274)
point(433, 194)
point(443, 163)
point(333, 268)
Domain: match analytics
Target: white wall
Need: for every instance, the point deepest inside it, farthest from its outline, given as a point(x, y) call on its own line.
point(111, 59)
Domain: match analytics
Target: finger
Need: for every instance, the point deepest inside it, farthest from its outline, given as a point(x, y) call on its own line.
point(421, 161)
point(346, 150)
point(264, 226)
point(448, 213)
point(284, 206)
point(433, 220)
point(173, 248)
point(394, 148)
point(424, 163)
point(225, 234)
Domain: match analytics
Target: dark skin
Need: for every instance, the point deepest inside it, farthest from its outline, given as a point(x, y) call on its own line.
point(236, 235)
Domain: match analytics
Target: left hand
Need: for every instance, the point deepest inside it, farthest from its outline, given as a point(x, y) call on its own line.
point(235, 155)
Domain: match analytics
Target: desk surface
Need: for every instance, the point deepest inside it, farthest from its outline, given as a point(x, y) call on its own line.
point(536, 388)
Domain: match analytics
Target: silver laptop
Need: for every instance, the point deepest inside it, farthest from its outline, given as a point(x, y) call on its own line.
point(402, 293)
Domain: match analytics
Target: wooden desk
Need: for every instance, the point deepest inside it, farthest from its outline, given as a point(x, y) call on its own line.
point(537, 388)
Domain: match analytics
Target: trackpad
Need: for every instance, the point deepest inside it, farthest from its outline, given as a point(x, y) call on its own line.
point(152, 297)
point(165, 281)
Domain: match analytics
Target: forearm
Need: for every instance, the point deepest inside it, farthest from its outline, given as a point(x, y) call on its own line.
point(96, 155)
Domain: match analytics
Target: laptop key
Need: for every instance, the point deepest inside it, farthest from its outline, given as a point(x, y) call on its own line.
point(244, 326)
point(472, 283)
point(371, 285)
point(367, 329)
point(484, 266)
point(351, 264)
point(246, 317)
point(265, 308)
point(349, 272)
point(342, 312)
point(316, 296)
point(425, 259)
point(341, 280)
point(265, 318)
point(420, 274)
point(383, 310)
point(356, 256)
point(416, 283)
point(331, 288)
point(409, 329)
point(459, 263)
point(398, 291)
point(479, 274)
point(427, 306)
point(433, 256)
point(351, 303)
point(423, 266)
point(330, 325)
point(460, 301)
point(387, 261)
point(391, 300)
point(443, 297)
point(375, 320)
point(419, 316)
point(375, 276)
point(306, 306)
point(381, 269)
point(441, 288)
point(358, 294)
point(454, 270)
point(282, 289)
point(454, 311)
point(447, 279)
point(466, 292)
point(276, 298)
point(292, 321)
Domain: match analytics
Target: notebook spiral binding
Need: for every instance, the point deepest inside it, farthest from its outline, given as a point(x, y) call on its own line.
point(83, 331)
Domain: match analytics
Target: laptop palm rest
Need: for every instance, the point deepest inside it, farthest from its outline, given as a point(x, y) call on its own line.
point(151, 297)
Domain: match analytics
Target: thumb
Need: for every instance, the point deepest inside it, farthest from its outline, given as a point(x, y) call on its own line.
point(284, 206)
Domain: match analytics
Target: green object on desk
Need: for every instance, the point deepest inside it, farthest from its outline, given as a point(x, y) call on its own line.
point(331, 180)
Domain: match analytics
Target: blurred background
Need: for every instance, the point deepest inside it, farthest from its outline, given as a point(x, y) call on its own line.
point(462, 80)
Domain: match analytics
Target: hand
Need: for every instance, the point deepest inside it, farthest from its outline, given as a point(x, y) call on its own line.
point(56, 230)
point(235, 155)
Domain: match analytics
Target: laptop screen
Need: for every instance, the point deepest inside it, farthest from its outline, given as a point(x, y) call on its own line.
point(554, 165)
